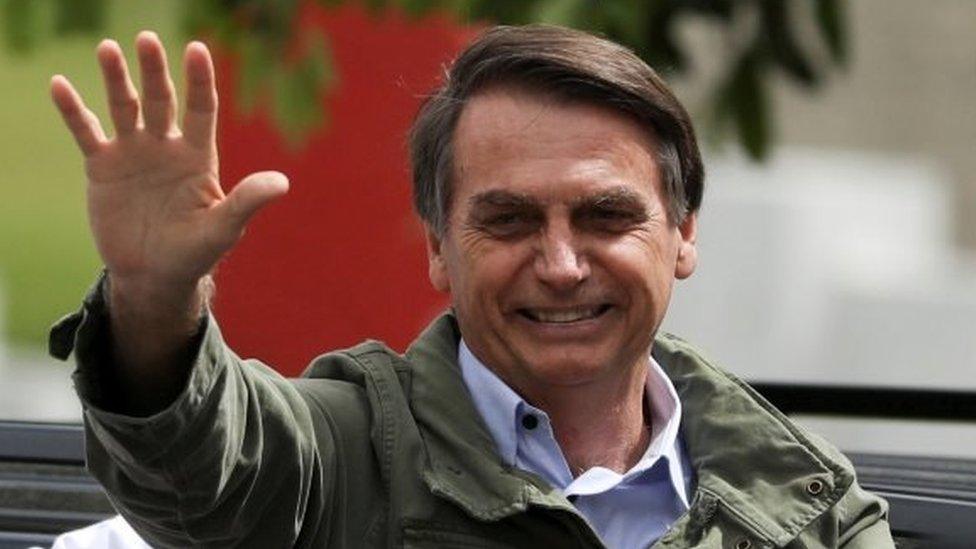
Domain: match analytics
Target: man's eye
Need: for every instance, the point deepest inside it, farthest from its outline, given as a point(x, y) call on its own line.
point(611, 217)
point(503, 219)
point(607, 219)
point(507, 224)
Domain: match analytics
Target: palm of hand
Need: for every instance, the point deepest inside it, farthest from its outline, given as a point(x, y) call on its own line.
point(150, 200)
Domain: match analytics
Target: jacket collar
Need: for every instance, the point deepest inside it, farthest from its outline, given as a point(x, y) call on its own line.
point(745, 453)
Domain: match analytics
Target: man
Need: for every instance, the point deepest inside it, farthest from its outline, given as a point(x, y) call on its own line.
point(559, 181)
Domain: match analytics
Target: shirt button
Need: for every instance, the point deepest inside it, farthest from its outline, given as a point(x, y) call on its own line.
point(530, 422)
point(744, 543)
point(815, 487)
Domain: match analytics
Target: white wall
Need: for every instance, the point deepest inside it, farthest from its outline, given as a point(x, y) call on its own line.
point(831, 267)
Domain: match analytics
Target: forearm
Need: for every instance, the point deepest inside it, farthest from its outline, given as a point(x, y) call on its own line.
point(231, 461)
point(237, 455)
point(152, 340)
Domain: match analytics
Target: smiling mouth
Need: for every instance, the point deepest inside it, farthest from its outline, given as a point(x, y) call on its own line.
point(564, 315)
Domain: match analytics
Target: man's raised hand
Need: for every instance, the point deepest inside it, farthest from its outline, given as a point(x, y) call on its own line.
point(158, 214)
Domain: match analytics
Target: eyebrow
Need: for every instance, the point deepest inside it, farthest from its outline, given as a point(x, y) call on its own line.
point(501, 199)
point(620, 197)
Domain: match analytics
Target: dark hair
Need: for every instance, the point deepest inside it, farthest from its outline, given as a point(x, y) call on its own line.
point(565, 64)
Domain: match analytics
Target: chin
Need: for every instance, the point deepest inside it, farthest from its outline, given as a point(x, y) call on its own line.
point(569, 371)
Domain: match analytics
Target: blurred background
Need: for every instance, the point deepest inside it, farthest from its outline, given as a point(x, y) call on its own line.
point(838, 233)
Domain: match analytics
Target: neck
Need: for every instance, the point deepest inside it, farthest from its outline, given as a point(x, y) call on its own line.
point(600, 424)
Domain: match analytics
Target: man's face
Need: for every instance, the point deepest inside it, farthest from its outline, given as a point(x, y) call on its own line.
point(558, 254)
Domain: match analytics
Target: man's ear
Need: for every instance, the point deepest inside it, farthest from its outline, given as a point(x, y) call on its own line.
point(687, 249)
point(436, 267)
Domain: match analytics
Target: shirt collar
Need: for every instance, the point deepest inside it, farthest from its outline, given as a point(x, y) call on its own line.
point(500, 407)
point(497, 403)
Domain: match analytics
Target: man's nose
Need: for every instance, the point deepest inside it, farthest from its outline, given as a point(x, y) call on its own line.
point(559, 262)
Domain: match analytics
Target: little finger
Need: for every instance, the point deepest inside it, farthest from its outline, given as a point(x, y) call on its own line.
point(82, 123)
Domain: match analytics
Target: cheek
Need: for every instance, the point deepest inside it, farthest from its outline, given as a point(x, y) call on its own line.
point(641, 267)
point(483, 271)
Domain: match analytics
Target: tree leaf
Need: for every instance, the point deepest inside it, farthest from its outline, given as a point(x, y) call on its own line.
point(257, 62)
point(831, 19)
point(661, 50)
point(295, 106)
point(320, 64)
point(298, 91)
point(743, 100)
point(782, 45)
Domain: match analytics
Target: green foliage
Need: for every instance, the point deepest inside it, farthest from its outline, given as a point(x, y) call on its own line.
point(292, 73)
point(288, 74)
point(298, 89)
point(648, 27)
point(79, 16)
point(743, 99)
point(830, 19)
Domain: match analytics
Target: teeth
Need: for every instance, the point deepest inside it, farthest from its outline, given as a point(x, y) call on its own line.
point(563, 315)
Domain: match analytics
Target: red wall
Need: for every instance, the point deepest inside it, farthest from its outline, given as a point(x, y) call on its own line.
point(341, 258)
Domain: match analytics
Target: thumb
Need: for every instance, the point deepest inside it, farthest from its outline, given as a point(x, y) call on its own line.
point(250, 195)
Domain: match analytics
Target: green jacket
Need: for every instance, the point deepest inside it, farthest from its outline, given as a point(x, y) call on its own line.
point(374, 449)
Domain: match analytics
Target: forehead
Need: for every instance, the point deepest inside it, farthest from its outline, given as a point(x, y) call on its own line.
point(528, 143)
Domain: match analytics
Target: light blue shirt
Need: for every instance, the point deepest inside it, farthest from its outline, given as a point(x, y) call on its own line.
point(630, 510)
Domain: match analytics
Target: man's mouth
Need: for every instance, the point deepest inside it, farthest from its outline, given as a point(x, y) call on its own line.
point(564, 315)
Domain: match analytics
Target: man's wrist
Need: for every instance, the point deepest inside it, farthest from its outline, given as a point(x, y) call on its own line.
point(153, 301)
point(154, 335)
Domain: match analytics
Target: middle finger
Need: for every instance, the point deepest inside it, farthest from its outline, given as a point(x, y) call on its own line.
point(159, 97)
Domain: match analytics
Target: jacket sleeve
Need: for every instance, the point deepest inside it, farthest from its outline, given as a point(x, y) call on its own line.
point(863, 521)
point(235, 460)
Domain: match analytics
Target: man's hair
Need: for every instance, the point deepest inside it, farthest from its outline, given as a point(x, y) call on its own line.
point(566, 65)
